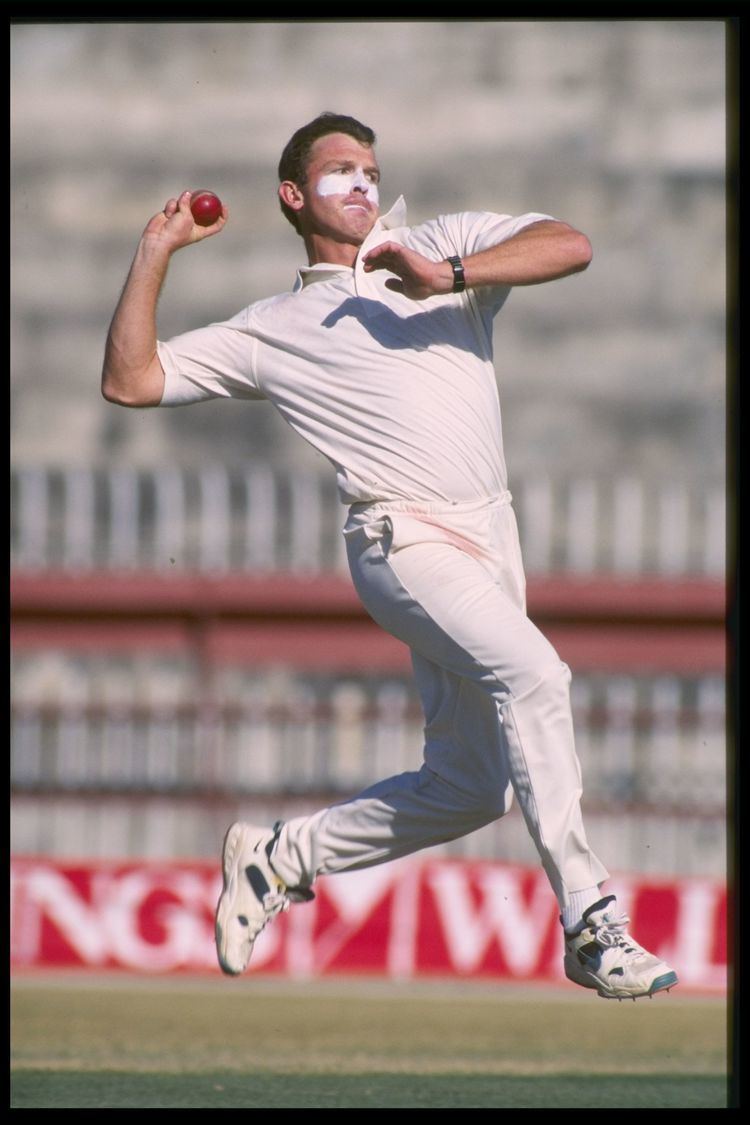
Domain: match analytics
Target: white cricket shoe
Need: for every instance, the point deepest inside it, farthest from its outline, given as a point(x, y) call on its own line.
point(253, 894)
point(600, 954)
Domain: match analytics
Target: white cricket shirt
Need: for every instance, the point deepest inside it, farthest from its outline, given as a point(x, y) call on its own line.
point(399, 395)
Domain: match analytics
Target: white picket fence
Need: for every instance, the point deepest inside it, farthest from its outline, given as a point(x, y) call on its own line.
point(162, 776)
point(253, 518)
point(656, 741)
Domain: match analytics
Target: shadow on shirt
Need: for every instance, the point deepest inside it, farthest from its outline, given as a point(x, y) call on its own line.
point(452, 325)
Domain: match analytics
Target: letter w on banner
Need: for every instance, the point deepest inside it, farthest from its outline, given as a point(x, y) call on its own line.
point(493, 918)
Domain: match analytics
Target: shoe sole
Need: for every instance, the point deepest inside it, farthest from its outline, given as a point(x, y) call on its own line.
point(228, 894)
point(586, 980)
point(666, 981)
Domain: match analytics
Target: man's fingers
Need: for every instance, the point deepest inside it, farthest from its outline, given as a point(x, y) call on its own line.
point(184, 203)
point(384, 248)
point(177, 210)
point(375, 262)
point(395, 285)
point(382, 257)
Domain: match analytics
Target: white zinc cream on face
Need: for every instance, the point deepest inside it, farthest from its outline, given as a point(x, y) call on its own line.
point(338, 183)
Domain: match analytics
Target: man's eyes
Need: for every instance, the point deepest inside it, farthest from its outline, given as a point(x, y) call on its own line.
point(347, 169)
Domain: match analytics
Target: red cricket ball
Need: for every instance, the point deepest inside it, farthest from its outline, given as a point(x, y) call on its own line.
point(206, 208)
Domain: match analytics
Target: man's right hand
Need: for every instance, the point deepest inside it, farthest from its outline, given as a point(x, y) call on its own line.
point(175, 227)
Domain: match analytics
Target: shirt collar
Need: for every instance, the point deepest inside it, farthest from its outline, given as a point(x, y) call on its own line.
point(396, 217)
point(306, 275)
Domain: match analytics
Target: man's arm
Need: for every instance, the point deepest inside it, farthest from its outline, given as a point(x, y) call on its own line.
point(542, 251)
point(132, 374)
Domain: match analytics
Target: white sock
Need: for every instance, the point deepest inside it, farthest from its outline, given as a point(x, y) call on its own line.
point(572, 912)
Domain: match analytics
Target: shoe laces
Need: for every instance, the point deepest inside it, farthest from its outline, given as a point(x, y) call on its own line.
point(275, 902)
point(612, 932)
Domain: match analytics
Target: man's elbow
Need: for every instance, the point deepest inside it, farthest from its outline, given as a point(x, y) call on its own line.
point(109, 389)
point(144, 389)
point(126, 397)
point(581, 251)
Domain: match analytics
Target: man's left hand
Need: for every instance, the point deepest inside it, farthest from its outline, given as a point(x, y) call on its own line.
point(416, 277)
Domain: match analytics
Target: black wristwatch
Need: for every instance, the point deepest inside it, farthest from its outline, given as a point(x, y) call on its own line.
point(459, 282)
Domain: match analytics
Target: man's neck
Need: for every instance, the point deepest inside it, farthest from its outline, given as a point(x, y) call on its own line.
point(320, 248)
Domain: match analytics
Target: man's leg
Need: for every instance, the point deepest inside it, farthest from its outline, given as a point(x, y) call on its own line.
point(455, 616)
point(469, 788)
point(266, 869)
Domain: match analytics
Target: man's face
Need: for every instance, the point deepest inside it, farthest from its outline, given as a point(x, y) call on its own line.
point(341, 190)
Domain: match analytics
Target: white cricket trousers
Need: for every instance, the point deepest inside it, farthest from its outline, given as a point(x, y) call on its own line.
point(448, 581)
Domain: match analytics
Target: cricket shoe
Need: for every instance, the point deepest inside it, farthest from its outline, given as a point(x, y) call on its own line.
point(600, 954)
point(253, 893)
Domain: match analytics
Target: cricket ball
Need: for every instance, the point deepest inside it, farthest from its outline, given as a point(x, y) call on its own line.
point(206, 208)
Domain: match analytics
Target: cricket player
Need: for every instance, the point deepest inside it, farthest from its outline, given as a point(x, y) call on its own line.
point(381, 357)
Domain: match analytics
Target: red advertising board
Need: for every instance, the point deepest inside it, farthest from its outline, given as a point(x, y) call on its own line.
point(404, 920)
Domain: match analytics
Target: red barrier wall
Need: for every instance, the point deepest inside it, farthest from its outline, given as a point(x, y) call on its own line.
point(595, 622)
point(403, 920)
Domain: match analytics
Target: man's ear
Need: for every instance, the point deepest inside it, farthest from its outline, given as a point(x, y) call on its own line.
point(291, 195)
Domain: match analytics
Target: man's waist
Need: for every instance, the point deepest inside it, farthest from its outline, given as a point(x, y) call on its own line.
point(363, 511)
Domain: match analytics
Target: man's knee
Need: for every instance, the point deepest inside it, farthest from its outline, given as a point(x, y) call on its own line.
point(498, 803)
point(482, 800)
point(545, 678)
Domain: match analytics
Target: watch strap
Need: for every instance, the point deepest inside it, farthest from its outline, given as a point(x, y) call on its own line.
point(459, 282)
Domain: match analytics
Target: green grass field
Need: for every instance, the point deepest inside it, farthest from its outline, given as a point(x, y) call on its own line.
point(253, 1043)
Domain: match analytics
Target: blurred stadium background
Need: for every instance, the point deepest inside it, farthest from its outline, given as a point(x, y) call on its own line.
point(185, 642)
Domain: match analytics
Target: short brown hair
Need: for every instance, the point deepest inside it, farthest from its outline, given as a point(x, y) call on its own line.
point(296, 154)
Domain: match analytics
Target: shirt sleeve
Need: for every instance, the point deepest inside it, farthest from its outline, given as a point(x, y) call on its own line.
point(472, 231)
point(213, 362)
